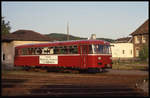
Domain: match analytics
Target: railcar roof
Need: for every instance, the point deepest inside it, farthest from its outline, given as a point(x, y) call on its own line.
point(56, 43)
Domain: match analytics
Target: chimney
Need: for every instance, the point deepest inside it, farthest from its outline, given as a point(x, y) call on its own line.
point(93, 36)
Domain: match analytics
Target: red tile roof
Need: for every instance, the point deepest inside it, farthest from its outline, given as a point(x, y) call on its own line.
point(25, 35)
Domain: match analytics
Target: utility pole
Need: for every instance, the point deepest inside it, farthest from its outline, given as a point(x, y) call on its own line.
point(67, 30)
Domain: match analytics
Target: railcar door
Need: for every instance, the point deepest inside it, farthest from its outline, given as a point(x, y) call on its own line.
point(84, 56)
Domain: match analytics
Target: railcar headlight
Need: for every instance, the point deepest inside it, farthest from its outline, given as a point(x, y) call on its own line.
point(111, 58)
point(99, 58)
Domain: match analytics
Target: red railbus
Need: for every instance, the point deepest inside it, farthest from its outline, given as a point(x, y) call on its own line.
point(91, 55)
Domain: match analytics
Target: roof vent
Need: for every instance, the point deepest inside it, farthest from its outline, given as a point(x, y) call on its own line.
point(93, 36)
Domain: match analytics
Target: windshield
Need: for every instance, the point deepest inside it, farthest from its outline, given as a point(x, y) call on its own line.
point(99, 49)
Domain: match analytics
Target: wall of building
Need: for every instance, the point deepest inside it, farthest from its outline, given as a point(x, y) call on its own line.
point(8, 51)
point(139, 41)
point(122, 50)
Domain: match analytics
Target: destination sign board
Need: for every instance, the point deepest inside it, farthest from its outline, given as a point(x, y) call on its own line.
point(48, 59)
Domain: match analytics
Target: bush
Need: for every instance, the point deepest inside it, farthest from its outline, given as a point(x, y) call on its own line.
point(144, 53)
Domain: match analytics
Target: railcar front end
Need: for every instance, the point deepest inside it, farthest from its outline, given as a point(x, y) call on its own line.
point(97, 58)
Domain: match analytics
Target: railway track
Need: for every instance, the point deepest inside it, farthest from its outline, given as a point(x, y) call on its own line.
point(70, 90)
point(64, 85)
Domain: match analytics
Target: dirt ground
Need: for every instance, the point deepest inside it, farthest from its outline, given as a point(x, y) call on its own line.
point(110, 83)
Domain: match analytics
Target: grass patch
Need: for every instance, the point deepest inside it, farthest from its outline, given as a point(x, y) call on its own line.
point(121, 67)
point(131, 66)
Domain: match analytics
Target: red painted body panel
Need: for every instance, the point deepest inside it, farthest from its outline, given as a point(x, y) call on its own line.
point(65, 61)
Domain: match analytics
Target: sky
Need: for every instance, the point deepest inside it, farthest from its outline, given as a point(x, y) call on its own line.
point(105, 19)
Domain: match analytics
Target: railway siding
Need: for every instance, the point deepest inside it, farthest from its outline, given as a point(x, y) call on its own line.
point(64, 84)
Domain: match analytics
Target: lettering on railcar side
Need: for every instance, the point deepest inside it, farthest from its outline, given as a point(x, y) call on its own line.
point(48, 59)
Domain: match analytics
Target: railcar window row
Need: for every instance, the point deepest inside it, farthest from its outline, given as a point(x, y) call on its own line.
point(99, 49)
point(49, 50)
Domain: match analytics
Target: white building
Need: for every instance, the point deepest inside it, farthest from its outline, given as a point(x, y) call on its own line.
point(122, 50)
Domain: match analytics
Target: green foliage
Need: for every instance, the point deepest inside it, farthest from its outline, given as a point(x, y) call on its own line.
point(63, 37)
point(5, 28)
point(144, 53)
point(106, 39)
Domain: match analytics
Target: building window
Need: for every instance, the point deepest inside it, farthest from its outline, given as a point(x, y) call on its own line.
point(136, 39)
point(131, 51)
point(143, 39)
point(3, 57)
point(123, 51)
point(137, 53)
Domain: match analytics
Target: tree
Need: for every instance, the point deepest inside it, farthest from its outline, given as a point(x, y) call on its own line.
point(144, 53)
point(5, 27)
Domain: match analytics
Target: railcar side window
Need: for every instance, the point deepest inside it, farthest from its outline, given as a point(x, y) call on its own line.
point(73, 49)
point(51, 50)
point(30, 51)
point(56, 50)
point(24, 51)
point(45, 50)
point(63, 50)
point(66, 50)
point(38, 51)
point(107, 49)
point(100, 49)
point(90, 49)
point(19, 51)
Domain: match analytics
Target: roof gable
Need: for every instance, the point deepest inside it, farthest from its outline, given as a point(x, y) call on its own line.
point(123, 40)
point(144, 28)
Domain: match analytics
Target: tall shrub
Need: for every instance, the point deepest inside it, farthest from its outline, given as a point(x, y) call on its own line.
point(144, 53)
point(5, 26)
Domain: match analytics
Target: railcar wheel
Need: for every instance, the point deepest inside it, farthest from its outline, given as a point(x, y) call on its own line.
point(92, 70)
point(26, 68)
point(100, 70)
